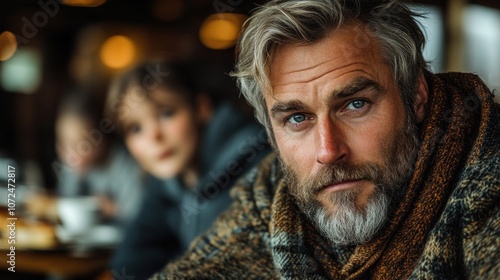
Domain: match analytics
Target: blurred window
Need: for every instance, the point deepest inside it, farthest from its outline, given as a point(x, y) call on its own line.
point(434, 34)
point(481, 26)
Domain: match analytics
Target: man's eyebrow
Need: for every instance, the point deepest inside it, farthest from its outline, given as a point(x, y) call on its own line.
point(289, 106)
point(354, 87)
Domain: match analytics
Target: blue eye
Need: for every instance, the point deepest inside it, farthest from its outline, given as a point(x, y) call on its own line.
point(356, 105)
point(297, 118)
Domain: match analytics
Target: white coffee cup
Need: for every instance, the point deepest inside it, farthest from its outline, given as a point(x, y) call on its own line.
point(78, 214)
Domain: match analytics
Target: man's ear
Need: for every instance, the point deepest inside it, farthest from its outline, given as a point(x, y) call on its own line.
point(204, 108)
point(421, 98)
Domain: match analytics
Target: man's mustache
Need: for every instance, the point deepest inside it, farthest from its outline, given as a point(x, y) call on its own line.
point(343, 172)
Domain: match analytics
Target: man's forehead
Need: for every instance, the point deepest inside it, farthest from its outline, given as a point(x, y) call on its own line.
point(341, 47)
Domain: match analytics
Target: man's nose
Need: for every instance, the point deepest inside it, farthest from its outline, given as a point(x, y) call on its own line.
point(330, 147)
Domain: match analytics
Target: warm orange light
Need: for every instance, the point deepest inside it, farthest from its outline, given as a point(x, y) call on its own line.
point(8, 45)
point(117, 52)
point(83, 3)
point(220, 31)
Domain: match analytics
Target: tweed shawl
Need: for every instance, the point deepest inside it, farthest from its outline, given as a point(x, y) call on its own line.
point(446, 226)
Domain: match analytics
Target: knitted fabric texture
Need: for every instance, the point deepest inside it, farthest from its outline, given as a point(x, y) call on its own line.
point(447, 225)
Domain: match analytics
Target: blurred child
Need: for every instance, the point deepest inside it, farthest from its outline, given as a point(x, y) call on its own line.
point(90, 164)
point(195, 147)
point(98, 166)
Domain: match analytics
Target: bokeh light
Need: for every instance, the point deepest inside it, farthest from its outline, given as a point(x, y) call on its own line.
point(118, 52)
point(83, 3)
point(220, 31)
point(22, 73)
point(8, 45)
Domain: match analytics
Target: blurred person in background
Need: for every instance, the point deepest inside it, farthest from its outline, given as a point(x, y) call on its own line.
point(91, 163)
point(194, 147)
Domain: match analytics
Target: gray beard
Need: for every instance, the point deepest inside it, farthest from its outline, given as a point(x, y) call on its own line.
point(349, 224)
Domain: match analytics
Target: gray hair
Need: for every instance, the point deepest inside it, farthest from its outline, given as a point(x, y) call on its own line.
point(287, 22)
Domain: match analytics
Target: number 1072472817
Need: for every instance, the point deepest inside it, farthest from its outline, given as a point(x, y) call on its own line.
point(11, 188)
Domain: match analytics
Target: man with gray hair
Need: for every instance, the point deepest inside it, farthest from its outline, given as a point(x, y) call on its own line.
point(382, 170)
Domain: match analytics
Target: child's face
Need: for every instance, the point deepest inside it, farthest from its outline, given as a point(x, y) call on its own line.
point(74, 144)
point(161, 131)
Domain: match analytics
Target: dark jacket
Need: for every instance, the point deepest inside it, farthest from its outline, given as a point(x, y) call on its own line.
point(445, 226)
point(173, 215)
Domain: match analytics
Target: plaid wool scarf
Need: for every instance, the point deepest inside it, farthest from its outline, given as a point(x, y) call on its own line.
point(446, 226)
point(462, 122)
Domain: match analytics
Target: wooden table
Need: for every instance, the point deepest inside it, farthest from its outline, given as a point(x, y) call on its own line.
point(64, 262)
